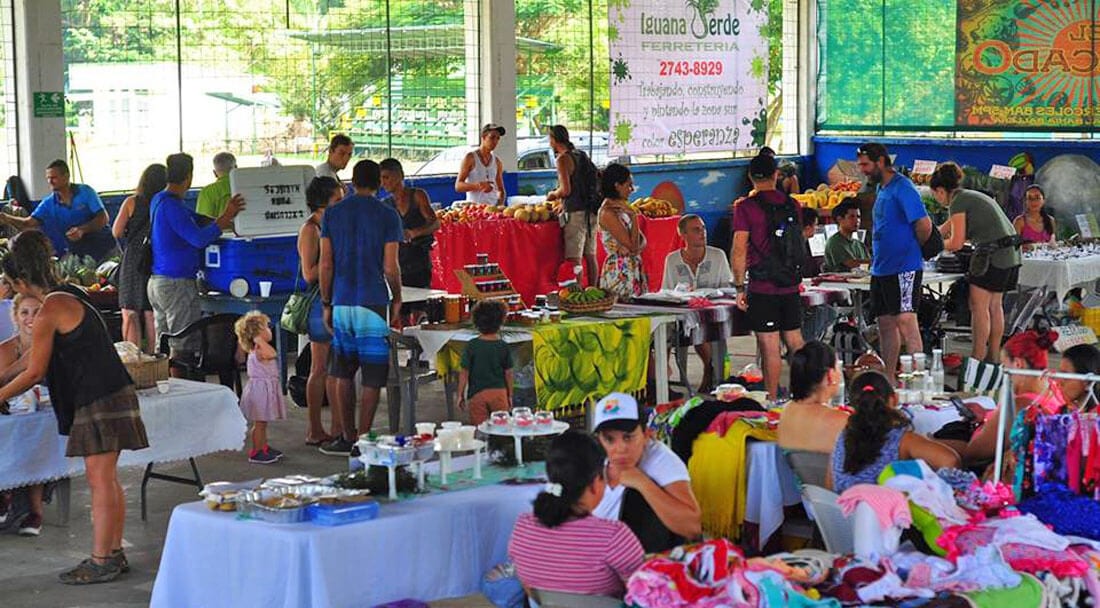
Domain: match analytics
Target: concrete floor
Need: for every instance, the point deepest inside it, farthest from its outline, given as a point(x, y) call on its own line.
point(29, 566)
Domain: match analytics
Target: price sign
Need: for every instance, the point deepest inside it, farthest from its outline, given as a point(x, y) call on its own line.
point(1086, 226)
point(1002, 172)
point(274, 198)
point(924, 167)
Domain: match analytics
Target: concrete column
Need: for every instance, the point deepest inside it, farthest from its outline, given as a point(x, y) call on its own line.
point(498, 73)
point(807, 76)
point(39, 67)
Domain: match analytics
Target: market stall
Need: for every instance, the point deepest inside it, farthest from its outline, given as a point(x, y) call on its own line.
point(1060, 269)
point(531, 253)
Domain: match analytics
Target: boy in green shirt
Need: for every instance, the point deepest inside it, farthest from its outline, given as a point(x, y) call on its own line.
point(843, 252)
point(486, 365)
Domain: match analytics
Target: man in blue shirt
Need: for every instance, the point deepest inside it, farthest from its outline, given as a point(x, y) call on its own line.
point(71, 215)
point(901, 224)
point(360, 281)
point(178, 242)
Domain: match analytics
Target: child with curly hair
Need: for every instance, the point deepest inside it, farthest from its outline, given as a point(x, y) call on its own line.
point(262, 400)
point(486, 365)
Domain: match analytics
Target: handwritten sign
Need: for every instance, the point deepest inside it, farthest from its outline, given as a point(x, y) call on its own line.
point(1086, 226)
point(274, 198)
point(1002, 172)
point(924, 167)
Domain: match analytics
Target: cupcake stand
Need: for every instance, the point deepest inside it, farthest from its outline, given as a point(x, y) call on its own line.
point(509, 428)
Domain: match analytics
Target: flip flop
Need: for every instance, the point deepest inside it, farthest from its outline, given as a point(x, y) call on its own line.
point(318, 442)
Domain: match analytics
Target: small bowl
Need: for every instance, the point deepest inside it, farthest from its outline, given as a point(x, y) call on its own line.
point(163, 386)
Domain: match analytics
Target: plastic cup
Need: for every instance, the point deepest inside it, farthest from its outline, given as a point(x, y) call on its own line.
point(425, 428)
point(448, 439)
point(163, 386)
point(451, 425)
point(466, 435)
point(265, 289)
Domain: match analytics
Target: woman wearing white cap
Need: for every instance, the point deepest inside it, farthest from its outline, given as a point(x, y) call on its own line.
point(482, 174)
point(648, 487)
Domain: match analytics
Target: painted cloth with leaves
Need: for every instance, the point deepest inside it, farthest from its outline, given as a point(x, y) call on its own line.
point(586, 359)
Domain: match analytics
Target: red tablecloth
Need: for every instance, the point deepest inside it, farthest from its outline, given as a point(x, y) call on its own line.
point(661, 239)
point(530, 254)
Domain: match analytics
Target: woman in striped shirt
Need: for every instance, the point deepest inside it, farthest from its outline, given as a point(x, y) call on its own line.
point(562, 546)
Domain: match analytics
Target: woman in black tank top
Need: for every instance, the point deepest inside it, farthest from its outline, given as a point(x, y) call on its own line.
point(419, 221)
point(93, 395)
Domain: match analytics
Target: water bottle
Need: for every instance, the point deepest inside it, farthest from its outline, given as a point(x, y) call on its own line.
point(842, 390)
point(937, 370)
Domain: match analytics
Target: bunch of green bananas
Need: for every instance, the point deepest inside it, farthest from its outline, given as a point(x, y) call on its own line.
point(592, 294)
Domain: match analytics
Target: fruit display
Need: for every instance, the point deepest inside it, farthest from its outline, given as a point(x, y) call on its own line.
point(541, 212)
point(84, 272)
point(846, 186)
point(653, 207)
point(591, 299)
point(824, 197)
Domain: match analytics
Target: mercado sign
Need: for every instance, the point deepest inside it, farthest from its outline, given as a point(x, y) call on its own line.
point(274, 199)
point(1026, 64)
point(687, 77)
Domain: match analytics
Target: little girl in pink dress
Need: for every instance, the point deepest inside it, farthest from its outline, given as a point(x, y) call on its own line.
point(262, 400)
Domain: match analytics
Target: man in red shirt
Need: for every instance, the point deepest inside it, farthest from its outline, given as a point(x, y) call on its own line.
point(771, 296)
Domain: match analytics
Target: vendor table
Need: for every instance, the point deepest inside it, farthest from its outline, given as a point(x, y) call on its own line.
point(531, 254)
point(857, 289)
point(452, 341)
point(191, 419)
point(770, 487)
point(1060, 275)
point(428, 548)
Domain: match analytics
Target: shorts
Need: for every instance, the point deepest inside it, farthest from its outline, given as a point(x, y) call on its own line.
point(996, 280)
point(175, 306)
point(316, 323)
point(769, 312)
point(109, 424)
point(486, 401)
point(360, 342)
point(895, 294)
point(579, 232)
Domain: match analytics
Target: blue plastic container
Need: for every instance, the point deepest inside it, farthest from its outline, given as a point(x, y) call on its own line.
point(269, 258)
point(338, 515)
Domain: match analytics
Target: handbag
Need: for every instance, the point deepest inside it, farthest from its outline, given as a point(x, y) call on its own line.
point(295, 317)
point(145, 248)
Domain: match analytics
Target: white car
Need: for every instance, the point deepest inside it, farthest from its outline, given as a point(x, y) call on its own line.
point(533, 154)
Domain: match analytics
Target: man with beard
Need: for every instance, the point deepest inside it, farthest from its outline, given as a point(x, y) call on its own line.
point(901, 224)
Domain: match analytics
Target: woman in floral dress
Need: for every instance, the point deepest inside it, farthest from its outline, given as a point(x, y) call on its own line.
point(622, 272)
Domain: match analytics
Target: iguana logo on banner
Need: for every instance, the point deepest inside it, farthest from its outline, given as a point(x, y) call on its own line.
point(688, 77)
point(1027, 65)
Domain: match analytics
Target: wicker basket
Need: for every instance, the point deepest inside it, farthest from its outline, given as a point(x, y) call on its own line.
point(588, 307)
point(147, 373)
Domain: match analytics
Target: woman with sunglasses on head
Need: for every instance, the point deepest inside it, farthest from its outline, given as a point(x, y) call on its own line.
point(562, 546)
point(92, 393)
point(877, 434)
point(1035, 225)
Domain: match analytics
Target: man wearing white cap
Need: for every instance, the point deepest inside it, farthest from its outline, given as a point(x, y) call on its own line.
point(648, 487)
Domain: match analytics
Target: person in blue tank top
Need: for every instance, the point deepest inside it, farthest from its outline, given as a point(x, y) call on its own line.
point(876, 435)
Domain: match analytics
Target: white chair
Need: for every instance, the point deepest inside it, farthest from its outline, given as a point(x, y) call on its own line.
point(835, 527)
point(561, 599)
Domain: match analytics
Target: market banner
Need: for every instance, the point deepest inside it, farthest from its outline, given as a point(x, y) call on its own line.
point(1027, 65)
point(687, 76)
point(580, 360)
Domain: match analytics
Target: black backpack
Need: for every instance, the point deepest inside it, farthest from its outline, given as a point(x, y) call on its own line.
point(783, 264)
point(586, 181)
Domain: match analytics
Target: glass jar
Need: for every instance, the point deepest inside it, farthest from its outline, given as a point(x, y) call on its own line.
point(523, 417)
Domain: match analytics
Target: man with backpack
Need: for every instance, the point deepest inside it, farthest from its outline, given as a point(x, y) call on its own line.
point(768, 246)
point(577, 201)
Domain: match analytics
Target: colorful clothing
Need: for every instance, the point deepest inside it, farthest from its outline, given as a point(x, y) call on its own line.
point(719, 476)
point(622, 272)
point(262, 398)
point(360, 341)
point(1031, 235)
point(358, 230)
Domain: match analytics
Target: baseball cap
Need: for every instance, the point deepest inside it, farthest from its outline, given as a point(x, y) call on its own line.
point(762, 166)
point(617, 411)
point(492, 127)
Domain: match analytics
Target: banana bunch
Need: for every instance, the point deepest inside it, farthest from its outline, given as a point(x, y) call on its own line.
point(582, 296)
point(653, 207)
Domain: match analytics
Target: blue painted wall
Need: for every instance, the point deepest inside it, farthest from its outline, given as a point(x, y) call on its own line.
point(978, 153)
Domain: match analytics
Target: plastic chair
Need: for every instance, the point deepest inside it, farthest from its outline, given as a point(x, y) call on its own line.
point(561, 599)
point(835, 528)
point(217, 353)
point(809, 467)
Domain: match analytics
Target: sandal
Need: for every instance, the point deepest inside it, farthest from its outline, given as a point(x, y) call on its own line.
point(120, 560)
point(88, 572)
point(317, 442)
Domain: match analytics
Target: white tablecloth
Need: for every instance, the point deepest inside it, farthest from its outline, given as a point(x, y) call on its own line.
point(192, 419)
point(771, 486)
point(428, 548)
point(1060, 275)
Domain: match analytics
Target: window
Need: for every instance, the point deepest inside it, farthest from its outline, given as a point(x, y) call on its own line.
point(9, 147)
point(265, 78)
